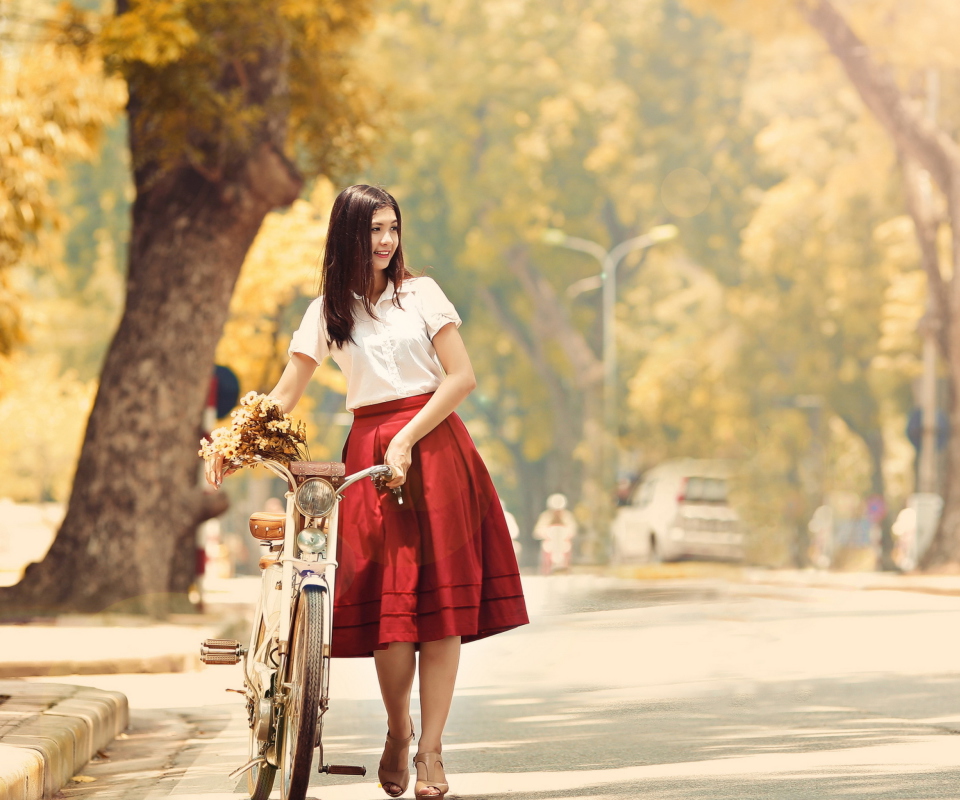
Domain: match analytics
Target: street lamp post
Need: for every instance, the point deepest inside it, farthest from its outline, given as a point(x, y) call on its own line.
point(609, 262)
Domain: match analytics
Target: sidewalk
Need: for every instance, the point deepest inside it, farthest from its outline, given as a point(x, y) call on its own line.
point(109, 644)
point(87, 646)
point(799, 578)
point(869, 581)
point(49, 731)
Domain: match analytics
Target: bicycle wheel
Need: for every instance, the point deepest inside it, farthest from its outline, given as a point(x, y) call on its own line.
point(304, 683)
point(260, 778)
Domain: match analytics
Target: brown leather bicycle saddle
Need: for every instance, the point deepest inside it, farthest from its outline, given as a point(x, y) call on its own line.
point(267, 525)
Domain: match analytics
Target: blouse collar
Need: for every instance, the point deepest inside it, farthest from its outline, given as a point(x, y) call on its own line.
point(389, 292)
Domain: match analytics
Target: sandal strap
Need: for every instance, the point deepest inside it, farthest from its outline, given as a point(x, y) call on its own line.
point(431, 777)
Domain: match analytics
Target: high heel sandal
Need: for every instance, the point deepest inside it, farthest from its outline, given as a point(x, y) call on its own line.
point(392, 769)
point(430, 775)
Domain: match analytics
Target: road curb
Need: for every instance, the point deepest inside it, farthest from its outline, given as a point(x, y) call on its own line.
point(21, 773)
point(171, 662)
point(49, 731)
point(945, 585)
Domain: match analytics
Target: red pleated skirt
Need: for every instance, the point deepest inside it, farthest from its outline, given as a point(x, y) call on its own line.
point(442, 564)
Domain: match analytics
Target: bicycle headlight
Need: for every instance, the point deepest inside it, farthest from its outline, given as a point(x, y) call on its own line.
point(311, 540)
point(315, 498)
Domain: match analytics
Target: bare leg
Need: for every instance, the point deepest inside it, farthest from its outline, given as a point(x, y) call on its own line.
point(438, 674)
point(395, 669)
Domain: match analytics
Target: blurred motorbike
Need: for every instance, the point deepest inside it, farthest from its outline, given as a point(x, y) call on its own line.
point(555, 529)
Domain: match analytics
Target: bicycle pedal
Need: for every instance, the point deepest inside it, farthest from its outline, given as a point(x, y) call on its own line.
point(343, 769)
point(221, 651)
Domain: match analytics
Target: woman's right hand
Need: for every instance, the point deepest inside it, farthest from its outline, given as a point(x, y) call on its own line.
point(213, 470)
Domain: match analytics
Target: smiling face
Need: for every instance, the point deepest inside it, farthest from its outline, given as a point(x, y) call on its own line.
point(384, 238)
point(353, 268)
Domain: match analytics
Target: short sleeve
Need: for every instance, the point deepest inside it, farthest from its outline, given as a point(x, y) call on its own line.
point(437, 311)
point(309, 338)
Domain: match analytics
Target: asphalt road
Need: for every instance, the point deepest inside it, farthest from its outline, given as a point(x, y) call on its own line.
point(621, 689)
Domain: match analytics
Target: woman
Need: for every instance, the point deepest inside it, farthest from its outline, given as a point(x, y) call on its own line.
point(440, 569)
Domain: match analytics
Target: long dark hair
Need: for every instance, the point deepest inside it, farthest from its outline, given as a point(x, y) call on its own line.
point(348, 259)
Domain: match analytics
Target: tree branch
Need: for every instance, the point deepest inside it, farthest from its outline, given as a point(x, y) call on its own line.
point(903, 119)
point(551, 319)
point(209, 505)
point(273, 177)
point(926, 224)
point(533, 349)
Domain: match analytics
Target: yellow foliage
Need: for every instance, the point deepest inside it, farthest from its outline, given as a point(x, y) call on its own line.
point(154, 32)
point(904, 304)
point(43, 413)
point(193, 66)
point(281, 266)
point(685, 342)
point(826, 312)
point(907, 34)
point(771, 19)
point(54, 102)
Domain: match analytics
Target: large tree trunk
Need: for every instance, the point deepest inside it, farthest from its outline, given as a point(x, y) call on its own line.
point(932, 148)
point(128, 534)
point(944, 551)
point(135, 502)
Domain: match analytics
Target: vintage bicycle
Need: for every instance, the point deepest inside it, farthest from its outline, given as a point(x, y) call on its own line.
point(286, 665)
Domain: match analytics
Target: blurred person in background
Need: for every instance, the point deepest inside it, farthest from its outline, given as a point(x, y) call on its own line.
point(555, 529)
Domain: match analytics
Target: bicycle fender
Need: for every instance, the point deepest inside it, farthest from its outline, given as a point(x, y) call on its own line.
point(312, 579)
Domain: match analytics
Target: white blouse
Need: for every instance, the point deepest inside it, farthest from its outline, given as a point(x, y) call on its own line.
point(392, 356)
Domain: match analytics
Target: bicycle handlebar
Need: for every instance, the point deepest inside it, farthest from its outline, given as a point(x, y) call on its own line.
point(383, 472)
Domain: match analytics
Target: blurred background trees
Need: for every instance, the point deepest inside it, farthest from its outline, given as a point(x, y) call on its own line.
point(522, 118)
point(779, 328)
point(757, 335)
point(894, 54)
point(56, 100)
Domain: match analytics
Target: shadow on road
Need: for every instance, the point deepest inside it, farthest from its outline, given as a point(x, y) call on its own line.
point(874, 736)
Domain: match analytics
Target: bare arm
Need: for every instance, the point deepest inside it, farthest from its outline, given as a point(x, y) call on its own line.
point(293, 382)
point(454, 388)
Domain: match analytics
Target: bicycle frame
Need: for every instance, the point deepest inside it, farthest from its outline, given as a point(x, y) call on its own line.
point(282, 583)
point(307, 570)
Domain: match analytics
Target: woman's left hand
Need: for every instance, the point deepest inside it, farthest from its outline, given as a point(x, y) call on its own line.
point(399, 455)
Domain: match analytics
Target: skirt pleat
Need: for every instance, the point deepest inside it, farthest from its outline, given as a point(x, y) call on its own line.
point(442, 563)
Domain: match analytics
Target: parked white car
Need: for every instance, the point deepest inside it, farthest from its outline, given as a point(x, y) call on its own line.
point(679, 509)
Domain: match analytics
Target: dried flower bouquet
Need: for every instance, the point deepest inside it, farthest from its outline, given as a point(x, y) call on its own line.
point(258, 428)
